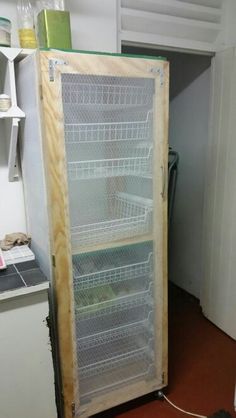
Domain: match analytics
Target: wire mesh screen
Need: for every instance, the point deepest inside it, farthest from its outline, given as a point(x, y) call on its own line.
point(109, 148)
point(114, 317)
point(108, 135)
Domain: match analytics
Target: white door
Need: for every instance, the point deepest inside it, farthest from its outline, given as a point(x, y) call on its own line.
point(218, 295)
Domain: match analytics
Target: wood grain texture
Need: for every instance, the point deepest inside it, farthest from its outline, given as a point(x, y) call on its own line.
point(160, 182)
point(112, 244)
point(118, 397)
point(54, 153)
point(107, 65)
point(165, 133)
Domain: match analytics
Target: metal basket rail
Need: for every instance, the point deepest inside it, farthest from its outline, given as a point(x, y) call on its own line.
point(139, 163)
point(140, 130)
point(112, 275)
point(129, 216)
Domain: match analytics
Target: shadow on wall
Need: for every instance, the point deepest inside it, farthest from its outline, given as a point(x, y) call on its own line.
point(184, 67)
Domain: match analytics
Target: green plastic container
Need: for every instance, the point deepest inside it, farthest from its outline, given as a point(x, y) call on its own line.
point(54, 29)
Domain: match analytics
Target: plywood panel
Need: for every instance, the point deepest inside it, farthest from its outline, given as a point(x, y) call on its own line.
point(33, 165)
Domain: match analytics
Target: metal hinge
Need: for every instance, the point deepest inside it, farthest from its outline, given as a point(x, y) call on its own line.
point(73, 409)
point(52, 64)
point(158, 70)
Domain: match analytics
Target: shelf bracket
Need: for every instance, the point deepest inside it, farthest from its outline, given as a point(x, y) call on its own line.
point(158, 70)
point(12, 159)
point(10, 53)
point(52, 64)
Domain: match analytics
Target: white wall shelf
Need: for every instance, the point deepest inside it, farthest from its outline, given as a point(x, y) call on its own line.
point(13, 112)
point(12, 117)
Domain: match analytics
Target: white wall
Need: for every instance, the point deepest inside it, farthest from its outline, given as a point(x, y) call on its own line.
point(218, 294)
point(93, 23)
point(189, 135)
point(93, 26)
point(12, 212)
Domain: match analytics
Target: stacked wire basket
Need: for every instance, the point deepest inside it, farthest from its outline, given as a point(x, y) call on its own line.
point(109, 145)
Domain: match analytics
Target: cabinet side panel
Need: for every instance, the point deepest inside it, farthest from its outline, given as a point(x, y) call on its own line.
point(55, 168)
point(33, 164)
point(26, 358)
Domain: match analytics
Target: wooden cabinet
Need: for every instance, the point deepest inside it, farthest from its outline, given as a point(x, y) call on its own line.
point(99, 158)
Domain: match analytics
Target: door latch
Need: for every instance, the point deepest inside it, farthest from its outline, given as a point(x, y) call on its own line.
point(164, 182)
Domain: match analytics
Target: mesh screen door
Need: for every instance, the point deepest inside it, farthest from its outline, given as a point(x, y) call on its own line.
point(109, 142)
point(111, 148)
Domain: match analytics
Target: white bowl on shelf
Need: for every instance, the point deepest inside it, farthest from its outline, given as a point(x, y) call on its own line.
point(5, 102)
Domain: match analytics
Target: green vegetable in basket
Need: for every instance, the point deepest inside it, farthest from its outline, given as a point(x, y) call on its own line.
point(90, 300)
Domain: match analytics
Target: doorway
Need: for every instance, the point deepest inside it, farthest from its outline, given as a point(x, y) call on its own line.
point(190, 77)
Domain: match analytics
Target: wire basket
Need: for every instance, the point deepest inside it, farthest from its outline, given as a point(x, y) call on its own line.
point(109, 131)
point(126, 216)
point(112, 314)
point(92, 91)
point(138, 165)
point(106, 337)
point(113, 275)
point(116, 372)
point(113, 346)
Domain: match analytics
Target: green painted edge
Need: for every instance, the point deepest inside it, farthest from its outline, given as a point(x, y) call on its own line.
point(148, 57)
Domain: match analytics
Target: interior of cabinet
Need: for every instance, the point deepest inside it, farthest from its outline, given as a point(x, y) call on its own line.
point(109, 158)
point(109, 141)
point(190, 77)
